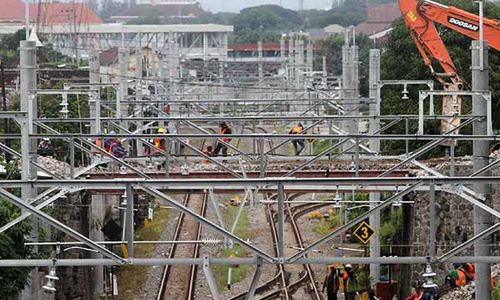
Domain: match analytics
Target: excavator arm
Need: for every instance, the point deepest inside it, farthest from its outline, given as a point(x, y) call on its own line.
point(420, 18)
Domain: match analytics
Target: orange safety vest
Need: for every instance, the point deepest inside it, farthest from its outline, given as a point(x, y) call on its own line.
point(98, 143)
point(297, 130)
point(158, 144)
point(462, 279)
point(469, 268)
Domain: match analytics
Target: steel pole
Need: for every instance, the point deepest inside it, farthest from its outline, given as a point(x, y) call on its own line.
point(28, 146)
point(482, 219)
point(374, 95)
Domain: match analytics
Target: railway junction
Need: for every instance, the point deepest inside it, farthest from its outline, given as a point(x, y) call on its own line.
point(171, 217)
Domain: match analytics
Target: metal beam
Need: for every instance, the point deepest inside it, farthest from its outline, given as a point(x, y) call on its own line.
point(391, 260)
point(210, 278)
point(255, 280)
point(71, 232)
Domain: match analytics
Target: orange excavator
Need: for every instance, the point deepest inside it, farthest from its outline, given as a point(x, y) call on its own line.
point(420, 18)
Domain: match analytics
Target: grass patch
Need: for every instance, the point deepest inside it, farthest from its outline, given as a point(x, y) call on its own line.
point(327, 225)
point(132, 278)
point(238, 272)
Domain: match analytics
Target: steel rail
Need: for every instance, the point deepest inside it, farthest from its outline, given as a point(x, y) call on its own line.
point(281, 268)
point(177, 233)
point(196, 253)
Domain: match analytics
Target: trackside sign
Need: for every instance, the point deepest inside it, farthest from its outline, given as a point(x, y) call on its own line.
point(463, 24)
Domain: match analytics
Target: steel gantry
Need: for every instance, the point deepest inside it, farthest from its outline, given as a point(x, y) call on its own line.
point(337, 159)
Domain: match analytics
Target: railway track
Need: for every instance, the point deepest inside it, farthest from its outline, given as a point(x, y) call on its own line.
point(178, 282)
point(287, 290)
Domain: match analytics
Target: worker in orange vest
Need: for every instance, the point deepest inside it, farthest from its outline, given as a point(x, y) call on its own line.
point(456, 278)
point(223, 129)
point(469, 271)
point(160, 143)
point(298, 144)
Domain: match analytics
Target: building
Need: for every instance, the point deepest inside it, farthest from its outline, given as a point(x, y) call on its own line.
point(195, 41)
point(379, 19)
point(44, 13)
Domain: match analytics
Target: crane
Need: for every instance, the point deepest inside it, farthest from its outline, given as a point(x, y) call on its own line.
point(420, 18)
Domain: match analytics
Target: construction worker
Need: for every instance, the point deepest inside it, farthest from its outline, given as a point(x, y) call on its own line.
point(350, 282)
point(332, 283)
point(223, 129)
point(469, 271)
point(298, 145)
point(419, 292)
point(108, 142)
point(117, 149)
point(160, 143)
point(456, 278)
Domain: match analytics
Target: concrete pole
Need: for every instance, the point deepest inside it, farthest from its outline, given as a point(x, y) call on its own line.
point(96, 221)
point(346, 84)
point(123, 73)
point(482, 219)
point(29, 147)
point(122, 109)
point(374, 76)
point(309, 62)
point(291, 59)
point(325, 74)
point(94, 105)
point(138, 90)
point(261, 70)
point(299, 61)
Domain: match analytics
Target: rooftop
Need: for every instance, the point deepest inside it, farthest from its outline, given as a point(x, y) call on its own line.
point(12, 11)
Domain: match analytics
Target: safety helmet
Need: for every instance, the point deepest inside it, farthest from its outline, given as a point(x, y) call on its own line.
point(161, 130)
point(348, 266)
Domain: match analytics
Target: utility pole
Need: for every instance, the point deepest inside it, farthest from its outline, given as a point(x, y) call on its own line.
point(482, 219)
point(6, 123)
point(350, 82)
point(29, 147)
point(374, 66)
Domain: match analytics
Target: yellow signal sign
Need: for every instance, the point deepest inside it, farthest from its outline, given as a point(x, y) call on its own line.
point(364, 232)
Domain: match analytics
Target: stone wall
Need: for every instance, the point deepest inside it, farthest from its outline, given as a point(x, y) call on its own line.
point(454, 224)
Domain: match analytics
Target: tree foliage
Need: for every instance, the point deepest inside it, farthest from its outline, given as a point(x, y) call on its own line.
point(12, 280)
point(350, 13)
point(267, 18)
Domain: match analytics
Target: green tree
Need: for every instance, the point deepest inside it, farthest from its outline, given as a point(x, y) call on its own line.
point(12, 280)
point(267, 18)
point(350, 13)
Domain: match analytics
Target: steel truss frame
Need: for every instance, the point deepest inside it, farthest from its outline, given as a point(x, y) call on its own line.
point(280, 184)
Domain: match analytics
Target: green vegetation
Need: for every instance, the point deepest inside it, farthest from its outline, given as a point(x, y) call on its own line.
point(238, 272)
point(495, 293)
point(128, 287)
point(327, 225)
point(13, 280)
